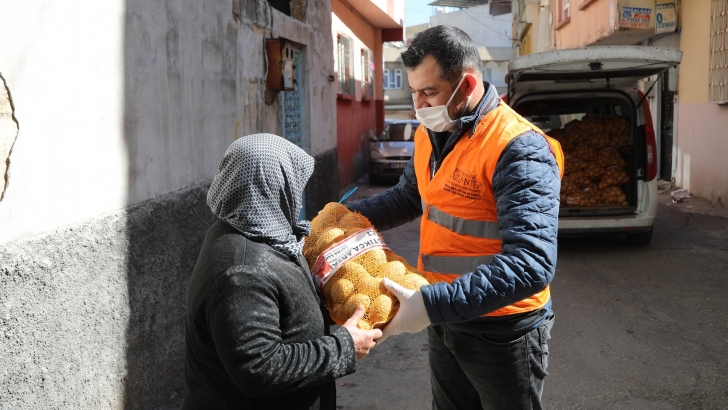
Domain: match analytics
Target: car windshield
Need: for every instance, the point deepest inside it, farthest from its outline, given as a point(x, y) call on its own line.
point(400, 132)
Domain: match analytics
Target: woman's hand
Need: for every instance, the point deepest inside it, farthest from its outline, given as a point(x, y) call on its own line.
point(363, 339)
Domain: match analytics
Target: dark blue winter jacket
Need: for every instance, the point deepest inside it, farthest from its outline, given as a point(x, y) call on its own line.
point(526, 185)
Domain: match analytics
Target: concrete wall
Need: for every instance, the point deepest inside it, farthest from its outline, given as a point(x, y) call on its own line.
point(700, 165)
point(259, 21)
point(484, 29)
point(124, 111)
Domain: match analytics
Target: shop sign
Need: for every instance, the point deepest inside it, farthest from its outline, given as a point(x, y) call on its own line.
point(665, 17)
point(635, 17)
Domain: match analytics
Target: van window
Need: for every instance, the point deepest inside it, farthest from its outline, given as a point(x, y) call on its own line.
point(548, 115)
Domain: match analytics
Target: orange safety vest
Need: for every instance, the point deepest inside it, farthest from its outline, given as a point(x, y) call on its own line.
point(459, 228)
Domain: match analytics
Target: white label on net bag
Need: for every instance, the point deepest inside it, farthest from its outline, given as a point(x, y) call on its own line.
point(336, 255)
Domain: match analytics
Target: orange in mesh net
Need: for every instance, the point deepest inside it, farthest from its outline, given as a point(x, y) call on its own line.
point(358, 278)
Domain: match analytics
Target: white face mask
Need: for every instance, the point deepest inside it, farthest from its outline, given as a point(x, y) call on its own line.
point(437, 118)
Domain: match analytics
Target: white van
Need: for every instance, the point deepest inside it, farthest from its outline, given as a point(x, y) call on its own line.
point(581, 97)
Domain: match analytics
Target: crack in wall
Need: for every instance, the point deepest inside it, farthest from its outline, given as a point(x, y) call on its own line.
point(8, 133)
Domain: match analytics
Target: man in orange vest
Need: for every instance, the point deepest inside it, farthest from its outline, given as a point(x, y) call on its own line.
point(486, 183)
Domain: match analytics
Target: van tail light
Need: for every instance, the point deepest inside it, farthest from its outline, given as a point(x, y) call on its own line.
point(650, 140)
point(651, 153)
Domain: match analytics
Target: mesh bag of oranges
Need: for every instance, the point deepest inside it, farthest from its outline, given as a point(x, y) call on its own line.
point(349, 260)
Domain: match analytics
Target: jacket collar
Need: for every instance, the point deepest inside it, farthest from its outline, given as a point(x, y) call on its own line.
point(488, 103)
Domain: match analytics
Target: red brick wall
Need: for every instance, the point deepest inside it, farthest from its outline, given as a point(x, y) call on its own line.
point(354, 120)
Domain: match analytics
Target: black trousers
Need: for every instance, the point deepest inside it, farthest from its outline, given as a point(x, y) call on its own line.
point(482, 372)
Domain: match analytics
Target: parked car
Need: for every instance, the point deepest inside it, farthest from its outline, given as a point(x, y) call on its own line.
point(392, 150)
point(568, 93)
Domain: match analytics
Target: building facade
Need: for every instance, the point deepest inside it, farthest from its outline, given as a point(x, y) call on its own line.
point(358, 30)
point(113, 119)
point(397, 94)
point(688, 102)
point(701, 101)
point(490, 33)
point(485, 29)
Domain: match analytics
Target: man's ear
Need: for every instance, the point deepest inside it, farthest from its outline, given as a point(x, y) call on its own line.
point(471, 82)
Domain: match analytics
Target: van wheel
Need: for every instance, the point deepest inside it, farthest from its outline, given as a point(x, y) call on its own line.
point(643, 238)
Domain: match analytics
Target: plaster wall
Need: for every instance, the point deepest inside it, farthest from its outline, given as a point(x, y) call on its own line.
point(586, 26)
point(124, 111)
point(598, 25)
point(484, 29)
point(124, 102)
point(695, 45)
point(64, 68)
point(699, 164)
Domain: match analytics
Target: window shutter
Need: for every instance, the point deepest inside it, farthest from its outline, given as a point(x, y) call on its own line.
point(719, 52)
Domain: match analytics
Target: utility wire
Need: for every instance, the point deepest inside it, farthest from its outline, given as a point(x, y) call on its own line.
point(488, 27)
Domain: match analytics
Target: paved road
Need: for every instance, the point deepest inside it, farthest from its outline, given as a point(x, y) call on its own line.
point(636, 327)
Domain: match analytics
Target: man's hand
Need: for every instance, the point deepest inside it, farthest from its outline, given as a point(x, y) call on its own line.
point(363, 339)
point(412, 315)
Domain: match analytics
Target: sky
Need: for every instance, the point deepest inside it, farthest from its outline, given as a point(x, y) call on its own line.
point(417, 12)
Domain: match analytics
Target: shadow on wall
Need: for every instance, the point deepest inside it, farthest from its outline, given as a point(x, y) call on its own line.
point(165, 237)
point(179, 86)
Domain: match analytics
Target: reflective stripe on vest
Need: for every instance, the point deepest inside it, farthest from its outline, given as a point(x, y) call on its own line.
point(480, 229)
point(457, 265)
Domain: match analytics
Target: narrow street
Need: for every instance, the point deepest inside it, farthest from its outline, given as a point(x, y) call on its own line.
point(636, 327)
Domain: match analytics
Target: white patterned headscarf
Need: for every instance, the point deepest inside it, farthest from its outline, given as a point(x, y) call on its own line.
point(258, 190)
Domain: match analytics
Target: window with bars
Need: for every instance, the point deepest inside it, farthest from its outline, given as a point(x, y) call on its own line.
point(367, 72)
point(392, 79)
point(718, 76)
point(565, 10)
point(346, 65)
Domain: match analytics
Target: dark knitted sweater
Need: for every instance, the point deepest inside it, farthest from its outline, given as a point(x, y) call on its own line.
point(255, 330)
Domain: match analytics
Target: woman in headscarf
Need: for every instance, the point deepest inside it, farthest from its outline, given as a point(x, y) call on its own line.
point(255, 332)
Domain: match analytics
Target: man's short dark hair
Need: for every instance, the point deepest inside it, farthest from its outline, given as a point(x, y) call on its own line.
point(451, 47)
